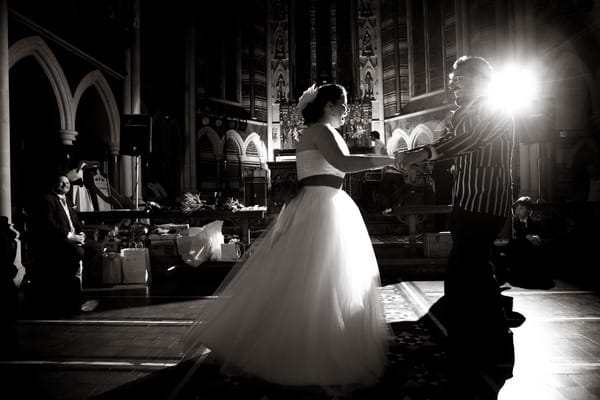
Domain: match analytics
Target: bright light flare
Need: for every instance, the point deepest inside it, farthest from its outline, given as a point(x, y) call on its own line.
point(514, 88)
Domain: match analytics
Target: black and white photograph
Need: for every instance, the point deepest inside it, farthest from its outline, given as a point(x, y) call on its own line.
point(300, 199)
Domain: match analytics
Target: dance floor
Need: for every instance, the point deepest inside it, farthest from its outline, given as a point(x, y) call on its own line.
point(130, 347)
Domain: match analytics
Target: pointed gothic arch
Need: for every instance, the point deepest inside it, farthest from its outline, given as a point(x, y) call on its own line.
point(420, 135)
point(209, 151)
point(214, 140)
point(398, 141)
point(35, 47)
point(254, 139)
point(97, 80)
point(236, 138)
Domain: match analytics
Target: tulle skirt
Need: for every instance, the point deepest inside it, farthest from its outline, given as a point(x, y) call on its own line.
point(304, 308)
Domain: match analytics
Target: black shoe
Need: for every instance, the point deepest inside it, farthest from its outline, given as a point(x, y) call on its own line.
point(514, 319)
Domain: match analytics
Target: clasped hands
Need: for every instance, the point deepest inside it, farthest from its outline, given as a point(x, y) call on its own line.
point(408, 163)
point(77, 238)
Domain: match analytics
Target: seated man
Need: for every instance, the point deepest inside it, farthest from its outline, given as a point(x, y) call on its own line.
point(527, 264)
point(58, 245)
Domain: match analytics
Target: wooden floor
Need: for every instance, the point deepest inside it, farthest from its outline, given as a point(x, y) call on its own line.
point(557, 349)
point(137, 330)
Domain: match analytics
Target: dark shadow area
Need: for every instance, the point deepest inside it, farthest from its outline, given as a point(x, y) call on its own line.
point(416, 370)
point(180, 283)
point(464, 381)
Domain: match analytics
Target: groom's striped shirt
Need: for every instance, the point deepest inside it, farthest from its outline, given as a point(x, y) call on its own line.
point(480, 138)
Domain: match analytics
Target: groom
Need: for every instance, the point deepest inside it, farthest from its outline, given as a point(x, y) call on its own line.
point(479, 139)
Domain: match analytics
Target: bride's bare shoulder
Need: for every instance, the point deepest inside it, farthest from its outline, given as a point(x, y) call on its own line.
point(307, 138)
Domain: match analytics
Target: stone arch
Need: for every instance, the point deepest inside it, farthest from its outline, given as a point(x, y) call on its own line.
point(214, 139)
point(233, 145)
point(208, 152)
point(236, 138)
point(36, 47)
point(96, 79)
point(254, 138)
point(437, 128)
point(420, 135)
point(398, 141)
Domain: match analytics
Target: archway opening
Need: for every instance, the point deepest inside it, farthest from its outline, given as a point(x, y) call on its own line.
point(36, 148)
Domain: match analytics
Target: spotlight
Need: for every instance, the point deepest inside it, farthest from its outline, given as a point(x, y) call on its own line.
point(514, 88)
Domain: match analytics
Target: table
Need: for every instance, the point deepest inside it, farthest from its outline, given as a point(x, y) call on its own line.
point(243, 217)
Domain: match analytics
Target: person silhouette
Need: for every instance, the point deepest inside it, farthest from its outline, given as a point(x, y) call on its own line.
point(480, 140)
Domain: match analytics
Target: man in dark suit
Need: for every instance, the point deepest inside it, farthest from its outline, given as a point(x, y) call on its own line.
point(480, 140)
point(58, 245)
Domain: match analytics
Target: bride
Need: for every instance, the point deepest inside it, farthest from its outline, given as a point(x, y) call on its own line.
point(304, 309)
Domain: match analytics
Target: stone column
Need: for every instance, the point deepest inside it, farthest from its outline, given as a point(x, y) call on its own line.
point(5, 186)
point(135, 61)
point(67, 136)
point(131, 102)
point(5, 183)
point(188, 179)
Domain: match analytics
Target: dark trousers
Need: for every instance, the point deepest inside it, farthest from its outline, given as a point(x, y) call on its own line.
point(478, 335)
point(55, 277)
point(528, 264)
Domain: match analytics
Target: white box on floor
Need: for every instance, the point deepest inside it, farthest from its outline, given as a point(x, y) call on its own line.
point(230, 251)
point(136, 265)
point(111, 268)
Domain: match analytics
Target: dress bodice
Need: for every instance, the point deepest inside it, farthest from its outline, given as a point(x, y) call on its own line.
point(312, 162)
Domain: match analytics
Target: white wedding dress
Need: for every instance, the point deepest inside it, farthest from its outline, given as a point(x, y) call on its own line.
point(304, 308)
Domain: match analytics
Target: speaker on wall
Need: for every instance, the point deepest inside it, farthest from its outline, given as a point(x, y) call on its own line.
point(136, 134)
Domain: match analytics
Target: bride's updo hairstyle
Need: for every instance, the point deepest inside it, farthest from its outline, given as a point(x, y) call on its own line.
point(312, 102)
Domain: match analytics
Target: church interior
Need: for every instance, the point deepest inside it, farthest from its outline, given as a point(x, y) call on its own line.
point(177, 123)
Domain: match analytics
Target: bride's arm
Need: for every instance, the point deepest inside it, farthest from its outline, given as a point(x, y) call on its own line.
point(325, 141)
